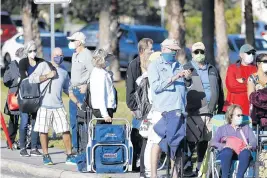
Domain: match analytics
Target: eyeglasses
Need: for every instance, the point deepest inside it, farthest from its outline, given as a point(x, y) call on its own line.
point(30, 51)
point(265, 61)
point(73, 40)
point(199, 51)
point(251, 52)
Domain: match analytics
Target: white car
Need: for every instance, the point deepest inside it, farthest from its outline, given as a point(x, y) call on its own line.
point(17, 41)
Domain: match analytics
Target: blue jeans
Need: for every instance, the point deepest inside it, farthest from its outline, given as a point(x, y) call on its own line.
point(73, 115)
point(24, 120)
point(227, 155)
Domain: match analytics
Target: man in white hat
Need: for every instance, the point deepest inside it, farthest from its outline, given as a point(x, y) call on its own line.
point(80, 74)
point(168, 87)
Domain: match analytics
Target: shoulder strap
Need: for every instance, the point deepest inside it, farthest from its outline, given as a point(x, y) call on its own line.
point(243, 136)
point(45, 89)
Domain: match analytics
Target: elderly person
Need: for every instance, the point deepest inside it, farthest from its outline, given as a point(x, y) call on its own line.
point(52, 111)
point(103, 93)
point(26, 68)
point(11, 80)
point(237, 77)
point(80, 76)
point(203, 96)
point(231, 136)
point(168, 88)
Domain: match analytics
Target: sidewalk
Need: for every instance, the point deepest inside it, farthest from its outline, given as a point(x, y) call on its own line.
point(11, 161)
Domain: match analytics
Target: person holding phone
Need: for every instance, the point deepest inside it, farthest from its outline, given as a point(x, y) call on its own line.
point(204, 94)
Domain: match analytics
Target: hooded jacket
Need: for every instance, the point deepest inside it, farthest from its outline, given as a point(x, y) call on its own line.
point(259, 101)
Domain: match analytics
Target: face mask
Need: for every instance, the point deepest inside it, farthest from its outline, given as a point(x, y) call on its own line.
point(169, 57)
point(32, 55)
point(58, 59)
point(72, 45)
point(248, 59)
point(107, 64)
point(199, 58)
point(264, 67)
point(238, 120)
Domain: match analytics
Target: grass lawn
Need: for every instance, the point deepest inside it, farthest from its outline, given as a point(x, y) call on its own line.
point(122, 111)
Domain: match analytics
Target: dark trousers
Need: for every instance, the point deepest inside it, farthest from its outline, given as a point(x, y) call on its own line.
point(13, 125)
point(142, 157)
point(227, 155)
point(201, 149)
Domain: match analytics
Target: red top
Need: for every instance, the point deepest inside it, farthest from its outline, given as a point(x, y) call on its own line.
point(237, 92)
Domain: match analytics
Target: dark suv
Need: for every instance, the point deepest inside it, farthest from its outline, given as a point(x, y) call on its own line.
point(8, 29)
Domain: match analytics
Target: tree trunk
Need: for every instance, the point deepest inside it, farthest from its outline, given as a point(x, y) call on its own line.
point(176, 21)
point(114, 31)
point(104, 23)
point(222, 57)
point(208, 29)
point(30, 24)
point(250, 38)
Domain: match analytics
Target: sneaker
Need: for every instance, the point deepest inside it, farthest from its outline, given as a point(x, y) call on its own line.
point(47, 160)
point(70, 160)
point(188, 172)
point(74, 151)
point(23, 152)
point(35, 152)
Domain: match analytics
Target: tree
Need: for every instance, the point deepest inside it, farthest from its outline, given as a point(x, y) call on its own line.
point(222, 58)
point(250, 38)
point(30, 24)
point(208, 29)
point(176, 21)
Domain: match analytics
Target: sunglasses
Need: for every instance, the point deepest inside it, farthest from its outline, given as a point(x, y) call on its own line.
point(265, 61)
point(30, 51)
point(170, 49)
point(73, 40)
point(251, 52)
point(199, 51)
point(240, 115)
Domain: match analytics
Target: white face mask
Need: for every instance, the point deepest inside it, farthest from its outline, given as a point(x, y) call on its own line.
point(72, 45)
point(32, 55)
point(248, 59)
point(264, 67)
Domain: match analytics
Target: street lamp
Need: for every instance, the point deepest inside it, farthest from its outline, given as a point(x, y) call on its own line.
point(162, 4)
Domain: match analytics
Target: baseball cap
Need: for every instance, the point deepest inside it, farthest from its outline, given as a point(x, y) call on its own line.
point(198, 45)
point(171, 43)
point(79, 36)
point(154, 56)
point(246, 48)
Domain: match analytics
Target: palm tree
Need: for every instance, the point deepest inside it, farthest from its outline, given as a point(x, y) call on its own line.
point(222, 58)
point(176, 21)
point(250, 38)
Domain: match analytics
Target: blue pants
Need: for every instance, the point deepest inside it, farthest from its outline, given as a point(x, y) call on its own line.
point(227, 155)
point(73, 115)
point(24, 120)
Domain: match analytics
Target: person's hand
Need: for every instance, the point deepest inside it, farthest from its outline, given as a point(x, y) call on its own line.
point(108, 119)
point(83, 88)
point(248, 147)
point(240, 80)
point(187, 74)
point(79, 105)
point(51, 74)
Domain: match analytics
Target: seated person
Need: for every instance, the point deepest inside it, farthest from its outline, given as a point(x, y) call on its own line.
point(234, 141)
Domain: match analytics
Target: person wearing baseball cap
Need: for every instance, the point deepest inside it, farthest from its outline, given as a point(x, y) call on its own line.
point(168, 87)
point(204, 94)
point(80, 76)
point(237, 77)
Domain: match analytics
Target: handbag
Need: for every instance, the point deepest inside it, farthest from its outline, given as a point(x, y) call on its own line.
point(236, 144)
point(12, 102)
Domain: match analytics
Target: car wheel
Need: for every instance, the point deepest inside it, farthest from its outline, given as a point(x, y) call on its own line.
point(7, 59)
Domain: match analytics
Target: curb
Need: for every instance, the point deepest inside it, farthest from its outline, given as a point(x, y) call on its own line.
point(47, 172)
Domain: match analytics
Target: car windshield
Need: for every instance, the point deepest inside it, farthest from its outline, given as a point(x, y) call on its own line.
point(260, 44)
point(156, 35)
point(5, 19)
point(61, 41)
point(18, 23)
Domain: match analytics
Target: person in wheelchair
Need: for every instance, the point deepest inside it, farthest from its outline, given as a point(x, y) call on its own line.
point(234, 141)
point(103, 92)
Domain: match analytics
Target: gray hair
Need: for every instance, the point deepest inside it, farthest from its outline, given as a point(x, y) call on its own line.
point(20, 53)
point(28, 45)
point(99, 58)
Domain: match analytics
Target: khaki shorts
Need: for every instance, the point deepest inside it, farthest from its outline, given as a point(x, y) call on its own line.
point(51, 117)
point(198, 128)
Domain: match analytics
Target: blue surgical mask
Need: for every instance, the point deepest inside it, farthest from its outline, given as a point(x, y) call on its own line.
point(107, 64)
point(58, 59)
point(238, 120)
point(169, 57)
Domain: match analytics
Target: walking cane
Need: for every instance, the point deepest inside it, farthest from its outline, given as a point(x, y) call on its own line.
point(3, 124)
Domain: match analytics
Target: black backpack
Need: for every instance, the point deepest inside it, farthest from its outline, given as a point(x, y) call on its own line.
point(30, 96)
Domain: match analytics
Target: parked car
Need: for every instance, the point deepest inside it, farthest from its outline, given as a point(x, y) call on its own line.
point(17, 41)
point(8, 29)
point(261, 29)
point(43, 27)
point(235, 41)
